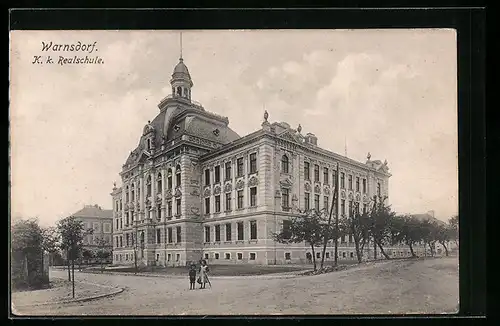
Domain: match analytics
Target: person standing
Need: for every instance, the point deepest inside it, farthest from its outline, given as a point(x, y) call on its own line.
point(192, 276)
point(203, 273)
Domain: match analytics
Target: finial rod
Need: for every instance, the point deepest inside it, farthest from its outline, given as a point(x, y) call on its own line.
point(181, 45)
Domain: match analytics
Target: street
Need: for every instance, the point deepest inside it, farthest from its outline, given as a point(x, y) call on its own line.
point(406, 286)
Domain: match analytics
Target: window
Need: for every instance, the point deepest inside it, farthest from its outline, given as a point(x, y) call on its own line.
point(285, 197)
point(228, 201)
point(318, 255)
point(126, 194)
point(227, 255)
point(342, 207)
point(207, 177)
point(177, 257)
point(169, 178)
point(307, 175)
point(157, 257)
point(117, 242)
point(287, 232)
point(252, 256)
point(350, 182)
point(326, 202)
point(288, 256)
point(170, 237)
point(253, 230)
point(284, 164)
point(316, 172)
point(217, 233)
point(178, 176)
point(240, 198)
point(327, 255)
point(357, 183)
point(159, 183)
point(350, 238)
point(148, 186)
point(207, 205)
point(240, 230)
point(228, 231)
point(206, 255)
point(356, 208)
point(253, 196)
point(364, 186)
point(378, 189)
point(216, 255)
point(325, 175)
point(316, 202)
point(352, 255)
point(217, 203)
point(179, 235)
point(239, 165)
point(178, 204)
point(253, 163)
point(240, 256)
point(343, 255)
point(342, 180)
point(350, 208)
point(207, 234)
point(217, 174)
point(158, 236)
point(364, 208)
point(169, 257)
point(228, 171)
point(121, 241)
point(169, 208)
point(132, 193)
point(307, 204)
point(158, 212)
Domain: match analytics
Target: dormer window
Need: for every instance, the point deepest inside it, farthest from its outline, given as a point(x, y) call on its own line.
point(179, 91)
point(149, 144)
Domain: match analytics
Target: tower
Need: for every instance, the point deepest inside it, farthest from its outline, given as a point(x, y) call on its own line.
point(181, 79)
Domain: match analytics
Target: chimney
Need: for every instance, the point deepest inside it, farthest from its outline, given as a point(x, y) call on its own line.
point(431, 213)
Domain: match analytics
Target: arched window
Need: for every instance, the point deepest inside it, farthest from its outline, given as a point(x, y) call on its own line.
point(148, 186)
point(132, 193)
point(173, 90)
point(126, 195)
point(142, 237)
point(158, 183)
point(178, 175)
point(149, 144)
point(169, 179)
point(179, 91)
point(284, 164)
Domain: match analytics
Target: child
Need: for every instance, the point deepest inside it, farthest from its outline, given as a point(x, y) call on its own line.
point(192, 276)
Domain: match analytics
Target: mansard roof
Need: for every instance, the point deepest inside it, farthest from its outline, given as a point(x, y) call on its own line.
point(94, 211)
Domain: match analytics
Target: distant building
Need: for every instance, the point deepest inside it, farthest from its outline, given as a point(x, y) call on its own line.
point(193, 188)
point(100, 221)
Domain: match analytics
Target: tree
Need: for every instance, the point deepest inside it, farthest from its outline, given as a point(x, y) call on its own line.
point(406, 229)
point(87, 255)
point(429, 234)
point(72, 232)
point(102, 252)
point(50, 241)
point(27, 254)
point(381, 217)
point(358, 226)
point(307, 227)
point(444, 234)
point(453, 225)
point(329, 232)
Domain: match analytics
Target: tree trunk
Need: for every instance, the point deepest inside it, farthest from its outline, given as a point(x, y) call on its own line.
point(382, 250)
point(410, 244)
point(445, 248)
point(358, 253)
point(73, 268)
point(313, 257)
point(69, 266)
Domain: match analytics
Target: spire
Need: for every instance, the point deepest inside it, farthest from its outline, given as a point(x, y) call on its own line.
point(180, 58)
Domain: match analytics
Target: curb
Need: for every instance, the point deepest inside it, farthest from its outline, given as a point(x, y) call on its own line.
point(94, 297)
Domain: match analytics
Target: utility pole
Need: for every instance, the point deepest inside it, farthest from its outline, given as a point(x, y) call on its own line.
point(336, 189)
point(325, 241)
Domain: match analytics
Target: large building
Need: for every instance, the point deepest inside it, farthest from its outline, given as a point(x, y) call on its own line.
point(100, 221)
point(194, 188)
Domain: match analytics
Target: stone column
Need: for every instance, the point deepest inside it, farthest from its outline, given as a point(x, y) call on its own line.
point(141, 196)
point(122, 212)
point(152, 211)
point(163, 186)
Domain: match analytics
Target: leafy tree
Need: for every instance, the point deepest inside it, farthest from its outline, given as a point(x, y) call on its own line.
point(72, 232)
point(358, 226)
point(444, 234)
point(102, 251)
point(381, 217)
point(307, 227)
point(429, 234)
point(27, 254)
point(406, 229)
point(453, 225)
point(50, 241)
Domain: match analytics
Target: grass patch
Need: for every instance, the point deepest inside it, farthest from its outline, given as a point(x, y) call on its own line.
point(218, 270)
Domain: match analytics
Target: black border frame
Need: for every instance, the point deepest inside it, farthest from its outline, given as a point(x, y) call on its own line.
point(471, 37)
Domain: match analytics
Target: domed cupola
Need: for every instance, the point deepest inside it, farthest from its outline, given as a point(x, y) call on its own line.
point(181, 81)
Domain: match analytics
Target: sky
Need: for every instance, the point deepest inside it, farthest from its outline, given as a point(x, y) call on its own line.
point(392, 93)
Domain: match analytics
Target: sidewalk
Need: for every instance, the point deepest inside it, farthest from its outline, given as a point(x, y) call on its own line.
point(61, 292)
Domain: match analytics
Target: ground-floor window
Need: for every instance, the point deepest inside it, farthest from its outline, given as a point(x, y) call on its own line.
point(206, 256)
point(343, 255)
point(126, 257)
point(352, 255)
point(318, 255)
point(287, 256)
point(177, 257)
point(240, 256)
point(252, 256)
point(157, 257)
point(216, 255)
point(327, 255)
point(227, 255)
point(169, 257)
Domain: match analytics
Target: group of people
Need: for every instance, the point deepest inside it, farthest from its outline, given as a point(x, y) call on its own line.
point(202, 275)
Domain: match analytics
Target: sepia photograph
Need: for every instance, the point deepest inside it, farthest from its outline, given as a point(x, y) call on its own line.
point(233, 172)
